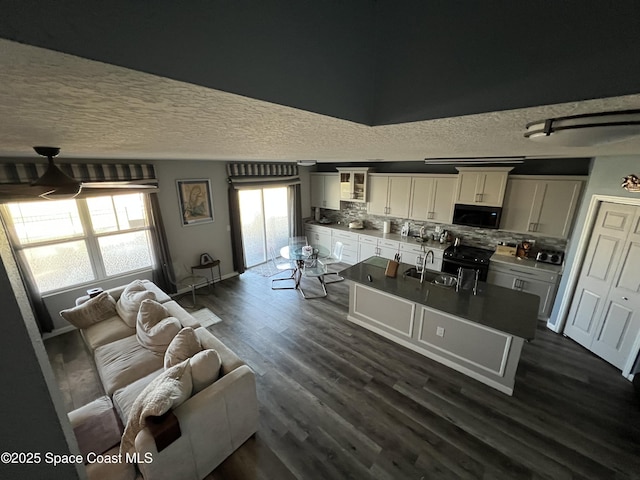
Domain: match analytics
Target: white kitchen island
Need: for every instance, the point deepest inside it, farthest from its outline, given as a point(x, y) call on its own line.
point(479, 335)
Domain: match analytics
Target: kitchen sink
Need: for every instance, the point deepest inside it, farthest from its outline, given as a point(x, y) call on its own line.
point(445, 281)
point(436, 278)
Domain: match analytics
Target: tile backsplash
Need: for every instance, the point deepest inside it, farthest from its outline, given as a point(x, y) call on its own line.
point(476, 237)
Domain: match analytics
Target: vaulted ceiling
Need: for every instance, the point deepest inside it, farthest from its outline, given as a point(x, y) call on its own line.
point(329, 80)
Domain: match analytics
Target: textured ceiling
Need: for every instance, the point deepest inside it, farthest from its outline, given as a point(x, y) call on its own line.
point(94, 110)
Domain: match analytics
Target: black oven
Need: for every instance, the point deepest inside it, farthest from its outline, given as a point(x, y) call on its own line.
point(466, 257)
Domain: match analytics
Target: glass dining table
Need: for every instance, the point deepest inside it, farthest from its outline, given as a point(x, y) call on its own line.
point(308, 262)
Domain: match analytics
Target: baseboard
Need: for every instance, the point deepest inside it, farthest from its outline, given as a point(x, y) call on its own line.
point(58, 331)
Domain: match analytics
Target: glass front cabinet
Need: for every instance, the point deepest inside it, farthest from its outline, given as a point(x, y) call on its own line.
point(353, 184)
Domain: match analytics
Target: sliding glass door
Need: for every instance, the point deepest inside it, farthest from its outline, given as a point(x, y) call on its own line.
point(264, 217)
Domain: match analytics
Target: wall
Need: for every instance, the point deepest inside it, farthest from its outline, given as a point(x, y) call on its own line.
point(187, 243)
point(33, 416)
point(475, 237)
point(605, 179)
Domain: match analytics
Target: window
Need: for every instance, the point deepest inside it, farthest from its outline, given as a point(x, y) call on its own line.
point(67, 243)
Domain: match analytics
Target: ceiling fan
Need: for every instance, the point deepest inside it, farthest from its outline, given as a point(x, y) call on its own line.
point(55, 184)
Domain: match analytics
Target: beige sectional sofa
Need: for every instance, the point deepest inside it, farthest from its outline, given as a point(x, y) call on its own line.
point(212, 423)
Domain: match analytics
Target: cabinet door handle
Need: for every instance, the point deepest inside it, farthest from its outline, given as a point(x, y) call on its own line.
point(430, 215)
point(532, 227)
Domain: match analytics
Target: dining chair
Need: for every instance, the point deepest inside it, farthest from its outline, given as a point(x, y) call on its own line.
point(313, 268)
point(282, 266)
point(335, 257)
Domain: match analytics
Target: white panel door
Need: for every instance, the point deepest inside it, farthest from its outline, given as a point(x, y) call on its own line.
point(604, 314)
point(621, 322)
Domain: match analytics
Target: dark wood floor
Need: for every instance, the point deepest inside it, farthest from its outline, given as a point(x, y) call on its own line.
point(337, 401)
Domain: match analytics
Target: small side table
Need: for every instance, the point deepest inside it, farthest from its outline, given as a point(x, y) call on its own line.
point(210, 267)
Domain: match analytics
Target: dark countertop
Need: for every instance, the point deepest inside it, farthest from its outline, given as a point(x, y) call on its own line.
point(510, 311)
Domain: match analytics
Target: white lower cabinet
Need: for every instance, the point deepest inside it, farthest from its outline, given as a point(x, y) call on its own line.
point(542, 283)
point(350, 245)
point(376, 247)
point(413, 254)
point(318, 236)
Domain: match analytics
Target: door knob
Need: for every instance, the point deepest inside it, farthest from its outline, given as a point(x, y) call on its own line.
point(625, 298)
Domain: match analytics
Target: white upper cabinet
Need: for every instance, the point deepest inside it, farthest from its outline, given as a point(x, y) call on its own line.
point(353, 184)
point(433, 198)
point(389, 195)
point(482, 186)
point(544, 205)
point(325, 190)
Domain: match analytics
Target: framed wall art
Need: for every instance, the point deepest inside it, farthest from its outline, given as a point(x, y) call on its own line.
point(194, 197)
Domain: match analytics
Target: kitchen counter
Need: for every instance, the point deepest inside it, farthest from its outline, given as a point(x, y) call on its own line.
point(479, 335)
point(527, 263)
point(386, 236)
point(503, 309)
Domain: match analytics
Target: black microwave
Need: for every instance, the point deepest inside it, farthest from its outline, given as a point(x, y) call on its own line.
point(476, 216)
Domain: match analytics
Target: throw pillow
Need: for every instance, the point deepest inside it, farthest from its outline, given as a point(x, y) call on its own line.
point(168, 390)
point(94, 310)
point(205, 369)
point(155, 328)
point(183, 346)
point(129, 302)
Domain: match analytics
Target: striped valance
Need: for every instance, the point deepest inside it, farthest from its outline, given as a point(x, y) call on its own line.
point(25, 173)
point(262, 169)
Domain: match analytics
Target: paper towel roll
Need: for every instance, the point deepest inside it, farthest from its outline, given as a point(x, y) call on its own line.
point(386, 227)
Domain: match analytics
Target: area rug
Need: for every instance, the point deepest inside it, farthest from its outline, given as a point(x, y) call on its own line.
point(206, 317)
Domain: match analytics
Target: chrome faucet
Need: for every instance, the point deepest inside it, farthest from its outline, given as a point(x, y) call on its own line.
point(424, 264)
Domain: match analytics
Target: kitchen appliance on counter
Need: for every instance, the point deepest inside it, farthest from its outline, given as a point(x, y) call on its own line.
point(466, 257)
point(356, 225)
point(476, 216)
point(553, 257)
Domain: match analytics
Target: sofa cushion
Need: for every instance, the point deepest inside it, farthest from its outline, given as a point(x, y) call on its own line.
point(205, 369)
point(183, 346)
point(186, 319)
point(96, 426)
point(230, 361)
point(93, 311)
point(123, 362)
point(106, 331)
point(123, 398)
point(168, 390)
point(154, 327)
point(129, 302)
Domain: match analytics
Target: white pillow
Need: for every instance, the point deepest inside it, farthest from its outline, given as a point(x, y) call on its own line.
point(205, 369)
point(168, 390)
point(155, 328)
point(183, 346)
point(129, 302)
point(92, 311)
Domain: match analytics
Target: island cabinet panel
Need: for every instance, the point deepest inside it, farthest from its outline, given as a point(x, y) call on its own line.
point(383, 310)
point(478, 346)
